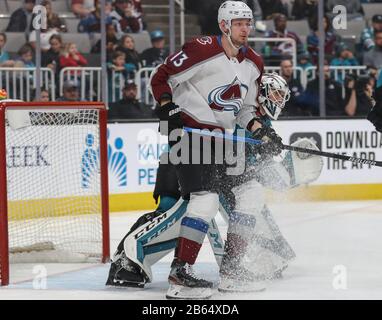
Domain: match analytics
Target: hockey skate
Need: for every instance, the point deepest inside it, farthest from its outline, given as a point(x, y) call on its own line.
point(235, 278)
point(185, 285)
point(125, 273)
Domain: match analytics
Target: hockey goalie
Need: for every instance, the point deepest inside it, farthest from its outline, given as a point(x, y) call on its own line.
point(255, 250)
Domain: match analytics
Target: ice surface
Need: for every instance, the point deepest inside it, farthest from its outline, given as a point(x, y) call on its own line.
point(338, 247)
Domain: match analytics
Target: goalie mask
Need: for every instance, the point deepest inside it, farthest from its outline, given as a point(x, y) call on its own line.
point(274, 93)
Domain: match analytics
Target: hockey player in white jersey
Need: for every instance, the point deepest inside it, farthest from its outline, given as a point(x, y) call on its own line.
point(263, 252)
point(211, 83)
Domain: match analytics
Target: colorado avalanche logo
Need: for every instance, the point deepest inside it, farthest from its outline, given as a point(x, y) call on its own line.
point(228, 97)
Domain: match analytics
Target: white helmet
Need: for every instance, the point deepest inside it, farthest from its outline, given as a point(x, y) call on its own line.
point(230, 10)
point(274, 93)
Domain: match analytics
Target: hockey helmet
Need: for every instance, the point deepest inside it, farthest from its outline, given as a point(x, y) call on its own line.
point(230, 10)
point(274, 93)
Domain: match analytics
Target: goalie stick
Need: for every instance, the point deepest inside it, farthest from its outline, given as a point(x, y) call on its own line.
point(286, 147)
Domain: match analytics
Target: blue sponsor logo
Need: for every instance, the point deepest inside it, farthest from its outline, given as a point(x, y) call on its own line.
point(117, 162)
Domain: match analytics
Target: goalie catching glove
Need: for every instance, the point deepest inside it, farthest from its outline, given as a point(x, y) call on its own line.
point(303, 167)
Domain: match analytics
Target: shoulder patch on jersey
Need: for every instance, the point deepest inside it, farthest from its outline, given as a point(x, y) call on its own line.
point(204, 40)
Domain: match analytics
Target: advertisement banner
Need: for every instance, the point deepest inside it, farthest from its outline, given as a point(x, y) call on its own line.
point(356, 138)
point(134, 150)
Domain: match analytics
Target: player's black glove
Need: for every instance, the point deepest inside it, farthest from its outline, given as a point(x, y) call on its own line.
point(375, 116)
point(272, 142)
point(170, 112)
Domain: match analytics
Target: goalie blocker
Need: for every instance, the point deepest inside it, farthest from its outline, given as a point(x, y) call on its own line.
point(154, 235)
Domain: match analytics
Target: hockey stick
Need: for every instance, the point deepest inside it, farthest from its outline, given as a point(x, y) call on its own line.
point(286, 147)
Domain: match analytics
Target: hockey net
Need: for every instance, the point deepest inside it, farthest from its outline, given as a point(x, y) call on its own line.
point(53, 183)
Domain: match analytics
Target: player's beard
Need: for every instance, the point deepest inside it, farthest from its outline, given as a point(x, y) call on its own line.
point(239, 41)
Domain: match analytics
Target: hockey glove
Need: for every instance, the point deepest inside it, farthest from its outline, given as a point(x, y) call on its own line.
point(375, 116)
point(170, 112)
point(272, 143)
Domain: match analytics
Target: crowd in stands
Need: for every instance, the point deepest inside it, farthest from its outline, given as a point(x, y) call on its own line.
point(346, 95)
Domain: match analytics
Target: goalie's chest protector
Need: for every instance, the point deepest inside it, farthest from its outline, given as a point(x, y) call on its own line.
point(210, 87)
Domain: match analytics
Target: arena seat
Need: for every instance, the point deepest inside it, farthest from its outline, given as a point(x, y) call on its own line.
point(59, 6)
point(72, 24)
point(354, 28)
point(142, 40)
point(3, 24)
point(13, 5)
point(300, 27)
point(14, 41)
point(371, 9)
point(80, 39)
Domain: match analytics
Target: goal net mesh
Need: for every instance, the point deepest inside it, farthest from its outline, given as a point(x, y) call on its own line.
point(53, 182)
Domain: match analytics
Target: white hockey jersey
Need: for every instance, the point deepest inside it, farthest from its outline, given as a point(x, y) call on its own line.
point(212, 90)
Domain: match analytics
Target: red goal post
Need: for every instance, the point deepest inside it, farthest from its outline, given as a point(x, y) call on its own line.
point(70, 194)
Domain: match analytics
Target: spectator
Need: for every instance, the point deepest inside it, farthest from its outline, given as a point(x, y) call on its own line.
point(133, 61)
point(45, 35)
point(71, 91)
point(124, 18)
point(155, 55)
point(138, 13)
point(44, 95)
point(129, 107)
point(51, 58)
point(54, 21)
point(282, 49)
point(332, 39)
point(118, 73)
point(291, 107)
point(303, 9)
point(272, 7)
point(335, 104)
point(5, 60)
point(21, 19)
point(70, 57)
point(361, 90)
point(111, 41)
point(25, 57)
point(345, 58)
point(353, 8)
point(92, 22)
point(303, 61)
point(372, 72)
point(367, 35)
point(374, 56)
point(82, 8)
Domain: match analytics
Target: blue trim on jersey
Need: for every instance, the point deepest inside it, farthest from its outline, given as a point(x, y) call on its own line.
point(196, 224)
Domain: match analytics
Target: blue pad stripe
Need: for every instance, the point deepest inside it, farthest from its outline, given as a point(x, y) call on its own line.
point(197, 224)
